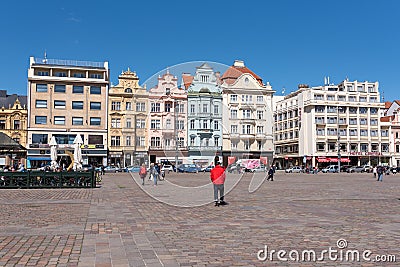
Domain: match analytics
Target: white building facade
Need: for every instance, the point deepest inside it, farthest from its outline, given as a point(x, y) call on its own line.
point(320, 125)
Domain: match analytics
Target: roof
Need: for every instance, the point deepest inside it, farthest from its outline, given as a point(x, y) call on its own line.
point(7, 143)
point(398, 102)
point(9, 100)
point(234, 72)
point(388, 104)
point(387, 118)
point(187, 80)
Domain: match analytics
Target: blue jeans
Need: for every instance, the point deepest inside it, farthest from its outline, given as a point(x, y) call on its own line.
point(220, 188)
point(155, 178)
point(380, 177)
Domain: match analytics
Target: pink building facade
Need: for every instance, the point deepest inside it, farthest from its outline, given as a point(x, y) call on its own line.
point(167, 121)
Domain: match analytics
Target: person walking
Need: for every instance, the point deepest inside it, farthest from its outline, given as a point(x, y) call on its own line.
point(156, 173)
point(218, 176)
point(143, 172)
point(270, 174)
point(380, 173)
point(374, 171)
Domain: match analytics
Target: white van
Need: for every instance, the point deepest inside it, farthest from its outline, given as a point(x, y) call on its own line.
point(330, 168)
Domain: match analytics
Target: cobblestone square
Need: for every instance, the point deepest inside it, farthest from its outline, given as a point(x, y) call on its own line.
point(120, 224)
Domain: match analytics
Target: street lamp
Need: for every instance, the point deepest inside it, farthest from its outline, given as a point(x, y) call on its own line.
point(338, 139)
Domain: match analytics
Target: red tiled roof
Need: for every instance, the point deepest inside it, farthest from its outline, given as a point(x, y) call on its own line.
point(235, 72)
point(187, 80)
point(387, 118)
point(388, 104)
point(398, 102)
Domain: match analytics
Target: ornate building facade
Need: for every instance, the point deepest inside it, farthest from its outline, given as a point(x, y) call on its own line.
point(127, 109)
point(247, 115)
point(167, 121)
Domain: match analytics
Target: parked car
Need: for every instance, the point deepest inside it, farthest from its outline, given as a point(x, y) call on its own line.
point(330, 168)
point(87, 167)
point(344, 168)
point(132, 169)
point(207, 169)
point(110, 169)
point(168, 168)
point(258, 169)
point(294, 169)
point(233, 168)
point(192, 168)
point(359, 169)
point(367, 168)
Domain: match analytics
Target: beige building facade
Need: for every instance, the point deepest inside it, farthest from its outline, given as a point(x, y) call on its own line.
point(67, 98)
point(128, 134)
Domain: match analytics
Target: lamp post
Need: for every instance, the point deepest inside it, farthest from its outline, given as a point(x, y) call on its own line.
point(176, 134)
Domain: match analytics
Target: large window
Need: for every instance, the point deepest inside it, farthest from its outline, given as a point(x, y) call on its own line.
point(95, 105)
point(95, 120)
point(128, 141)
point(140, 141)
point(39, 138)
point(168, 107)
point(59, 120)
point(115, 123)
point(155, 107)
point(246, 129)
point(180, 125)
point(234, 98)
point(95, 90)
point(128, 123)
point(115, 140)
point(234, 129)
point(155, 142)
point(234, 113)
point(155, 124)
point(59, 104)
point(40, 119)
point(95, 139)
point(128, 106)
point(216, 108)
point(205, 108)
point(246, 114)
point(41, 104)
point(192, 108)
point(77, 104)
point(77, 120)
point(115, 105)
point(140, 106)
point(77, 89)
point(216, 125)
point(41, 88)
point(17, 124)
point(260, 114)
point(192, 124)
point(140, 123)
point(59, 88)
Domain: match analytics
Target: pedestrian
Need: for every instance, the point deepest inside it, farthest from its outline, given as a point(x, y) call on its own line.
point(143, 172)
point(217, 175)
point(270, 174)
point(374, 171)
point(380, 173)
point(156, 173)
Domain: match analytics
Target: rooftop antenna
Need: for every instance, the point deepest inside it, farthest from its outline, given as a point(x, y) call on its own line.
point(283, 90)
point(45, 57)
point(325, 82)
point(383, 96)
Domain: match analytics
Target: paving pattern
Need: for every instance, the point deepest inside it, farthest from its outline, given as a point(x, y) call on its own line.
point(119, 224)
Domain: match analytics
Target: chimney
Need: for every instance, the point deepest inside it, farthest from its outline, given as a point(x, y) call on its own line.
point(238, 63)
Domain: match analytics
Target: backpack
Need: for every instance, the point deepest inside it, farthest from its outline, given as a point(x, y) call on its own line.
point(142, 171)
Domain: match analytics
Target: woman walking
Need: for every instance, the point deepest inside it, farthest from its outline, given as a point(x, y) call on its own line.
point(143, 172)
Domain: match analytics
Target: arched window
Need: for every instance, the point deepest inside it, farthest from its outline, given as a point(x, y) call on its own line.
point(128, 90)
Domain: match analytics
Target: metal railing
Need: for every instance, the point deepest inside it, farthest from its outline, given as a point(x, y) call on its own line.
point(62, 62)
point(42, 179)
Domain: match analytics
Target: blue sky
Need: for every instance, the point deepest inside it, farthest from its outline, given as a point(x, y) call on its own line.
point(285, 42)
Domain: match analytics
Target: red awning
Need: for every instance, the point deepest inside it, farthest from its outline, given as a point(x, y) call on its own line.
point(323, 159)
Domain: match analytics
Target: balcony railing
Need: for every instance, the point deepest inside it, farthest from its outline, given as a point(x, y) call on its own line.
point(205, 148)
point(61, 62)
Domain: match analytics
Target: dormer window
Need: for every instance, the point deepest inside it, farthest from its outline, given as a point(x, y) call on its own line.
point(167, 91)
point(128, 90)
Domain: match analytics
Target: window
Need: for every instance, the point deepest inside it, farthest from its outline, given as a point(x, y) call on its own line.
point(95, 120)
point(352, 98)
point(364, 147)
point(260, 114)
point(204, 78)
point(373, 111)
point(363, 132)
point(330, 97)
point(360, 88)
point(216, 108)
point(363, 99)
point(353, 132)
point(260, 129)
point(59, 88)
point(167, 142)
point(320, 147)
point(180, 125)
point(384, 147)
point(331, 109)
point(234, 129)
point(247, 98)
point(233, 113)
point(155, 142)
point(216, 125)
point(155, 124)
point(96, 76)
point(39, 138)
point(60, 74)
point(167, 91)
point(115, 123)
point(384, 133)
point(374, 133)
point(260, 99)
point(77, 89)
point(320, 131)
point(17, 124)
point(79, 75)
point(43, 73)
point(115, 105)
point(342, 121)
point(95, 90)
point(319, 120)
point(168, 124)
point(41, 88)
point(77, 121)
point(115, 140)
point(128, 141)
point(319, 109)
point(352, 110)
point(205, 124)
point(363, 110)
point(331, 131)
point(59, 120)
point(40, 119)
point(246, 114)
point(234, 98)
point(205, 108)
point(140, 141)
point(246, 145)
point(77, 104)
point(155, 107)
point(353, 121)
point(140, 123)
point(95, 139)
point(373, 99)
point(332, 120)
point(192, 108)
point(41, 104)
point(216, 141)
point(168, 107)
point(191, 124)
point(259, 145)
point(192, 140)
point(180, 108)
point(140, 106)
point(363, 121)
point(128, 106)
point(95, 105)
point(318, 97)
point(341, 98)
point(181, 141)
point(234, 145)
point(128, 123)
point(246, 129)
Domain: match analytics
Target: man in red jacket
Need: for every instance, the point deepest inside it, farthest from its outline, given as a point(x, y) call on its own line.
point(218, 176)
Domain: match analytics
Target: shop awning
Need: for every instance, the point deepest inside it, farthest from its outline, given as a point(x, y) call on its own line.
point(39, 158)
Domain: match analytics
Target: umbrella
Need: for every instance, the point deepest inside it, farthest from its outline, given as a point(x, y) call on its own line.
point(77, 152)
point(53, 152)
